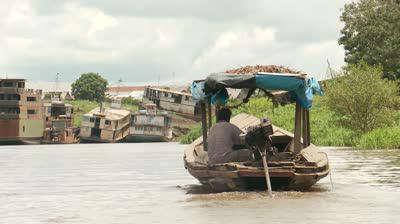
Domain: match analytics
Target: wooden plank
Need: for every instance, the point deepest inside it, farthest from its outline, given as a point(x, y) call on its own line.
point(297, 129)
point(209, 113)
point(308, 127)
point(217, 107)
point(261, 173)
point(305, 128)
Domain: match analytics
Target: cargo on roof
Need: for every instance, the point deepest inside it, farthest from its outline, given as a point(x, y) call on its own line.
point(300, 88)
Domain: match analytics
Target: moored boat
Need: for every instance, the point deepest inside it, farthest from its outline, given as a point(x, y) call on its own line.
point(293, 163)
point(105, 125)
point(21, 113)
point(59, 124)
point(149, 125)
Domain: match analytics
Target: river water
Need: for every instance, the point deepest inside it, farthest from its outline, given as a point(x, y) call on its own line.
point(147, 183)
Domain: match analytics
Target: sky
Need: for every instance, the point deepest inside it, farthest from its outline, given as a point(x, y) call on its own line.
point(165, 41)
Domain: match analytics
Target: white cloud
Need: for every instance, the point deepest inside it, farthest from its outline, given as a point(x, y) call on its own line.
point(139, 42)
point(236, 46)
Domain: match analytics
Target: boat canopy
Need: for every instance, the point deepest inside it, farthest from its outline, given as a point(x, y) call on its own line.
point(299, 87)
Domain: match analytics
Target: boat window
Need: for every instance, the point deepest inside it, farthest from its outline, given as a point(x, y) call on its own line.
point(8, 84)
point(92, 119)
point(2, 97)
point(31, 99)
point(12, 97)
point(108, 122)
point(177, 98)
point(9, 110)
point(31, 111)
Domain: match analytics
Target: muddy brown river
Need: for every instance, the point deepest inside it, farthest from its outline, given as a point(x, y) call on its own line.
point(147, 183)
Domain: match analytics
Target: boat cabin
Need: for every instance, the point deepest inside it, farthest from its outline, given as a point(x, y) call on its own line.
point(170, 100)
point(105, 125)
point(149, 125)
point(59, 123)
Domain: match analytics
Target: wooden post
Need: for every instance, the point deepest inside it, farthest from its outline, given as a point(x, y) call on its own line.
point(217, 107)
point(308, 127)
point(204, 124)
point(297, 129)
point(209, 113)
point(305, 128)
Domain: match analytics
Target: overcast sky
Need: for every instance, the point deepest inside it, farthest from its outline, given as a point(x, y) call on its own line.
point(179, 40)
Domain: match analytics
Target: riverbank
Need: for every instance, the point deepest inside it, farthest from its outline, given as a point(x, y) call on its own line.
point(180, 124)
point(326, 129)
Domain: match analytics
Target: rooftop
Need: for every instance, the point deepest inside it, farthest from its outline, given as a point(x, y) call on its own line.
point(109, 113)
point(125, 88)
point(171, 91)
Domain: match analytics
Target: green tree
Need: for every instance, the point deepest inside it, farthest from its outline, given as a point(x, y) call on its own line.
point(372, 33)
point(90, 86)
point(363, 99)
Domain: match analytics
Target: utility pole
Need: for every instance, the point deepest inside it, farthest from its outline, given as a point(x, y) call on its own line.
point(119, 85)
point(329, 72)
point(57, 79)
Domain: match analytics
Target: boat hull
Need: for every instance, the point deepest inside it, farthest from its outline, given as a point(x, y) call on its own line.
point(287, 170)
point(146, 138)
point(220, 181)
point(95, 140)
point(49, 142)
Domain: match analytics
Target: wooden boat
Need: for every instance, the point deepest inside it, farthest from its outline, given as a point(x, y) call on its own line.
point(149, 125)
point(59, 124)
point(105, 125)
point(296, 164)
point(287, 170)
point(21, 113)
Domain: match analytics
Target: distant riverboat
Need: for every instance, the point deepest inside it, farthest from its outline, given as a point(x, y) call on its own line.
point(59, 124)
point(150, 126)
point(107, 125)
point(21, 113)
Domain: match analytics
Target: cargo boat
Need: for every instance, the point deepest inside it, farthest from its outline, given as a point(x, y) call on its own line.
point(293, 163)
point(59, 124)
point(149, 125)
point(105, 125)
point(21, 113)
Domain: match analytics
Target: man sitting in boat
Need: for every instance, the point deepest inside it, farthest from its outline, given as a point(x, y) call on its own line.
point(226, 142)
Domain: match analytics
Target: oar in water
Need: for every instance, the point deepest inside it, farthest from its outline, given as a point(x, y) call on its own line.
point(264, 159)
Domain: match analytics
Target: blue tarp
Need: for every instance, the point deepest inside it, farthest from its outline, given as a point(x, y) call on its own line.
point(300, 89)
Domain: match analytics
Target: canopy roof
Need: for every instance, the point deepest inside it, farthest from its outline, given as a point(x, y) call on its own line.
point(299, 86)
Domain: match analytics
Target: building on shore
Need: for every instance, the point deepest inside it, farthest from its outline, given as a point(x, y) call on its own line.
point(119, 92)
point(170, 100)
point(21, 113)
